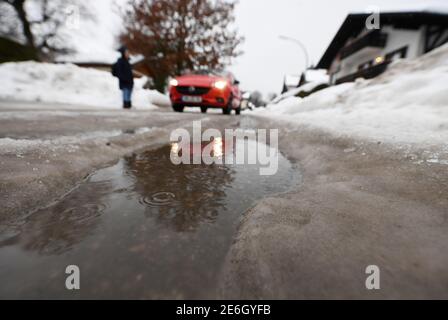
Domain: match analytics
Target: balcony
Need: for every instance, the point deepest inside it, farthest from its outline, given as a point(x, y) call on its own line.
point(368, 73)
point(375, 39)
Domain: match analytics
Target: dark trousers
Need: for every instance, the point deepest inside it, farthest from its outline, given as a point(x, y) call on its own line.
point(127, 94)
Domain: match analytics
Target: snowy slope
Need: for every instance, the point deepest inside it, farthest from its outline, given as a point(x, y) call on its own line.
point(69, 84)
point(407, 104)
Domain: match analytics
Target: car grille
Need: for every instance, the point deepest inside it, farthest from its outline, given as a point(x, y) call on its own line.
point(192, 90)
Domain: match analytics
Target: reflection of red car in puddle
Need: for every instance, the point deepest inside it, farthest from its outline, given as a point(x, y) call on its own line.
point(216, 148)
point(205, 91)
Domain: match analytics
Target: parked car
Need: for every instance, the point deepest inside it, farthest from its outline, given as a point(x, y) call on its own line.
point(246, 104)
point(206, 91)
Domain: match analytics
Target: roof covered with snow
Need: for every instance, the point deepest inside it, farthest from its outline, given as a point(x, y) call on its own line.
point(316, 75)
point(292, 80)
point(410, 17)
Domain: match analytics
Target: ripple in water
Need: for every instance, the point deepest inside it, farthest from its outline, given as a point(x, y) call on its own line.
point(159, 199)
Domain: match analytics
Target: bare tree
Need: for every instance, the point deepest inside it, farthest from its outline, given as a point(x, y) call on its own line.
point(179, 35)
point(39, 23)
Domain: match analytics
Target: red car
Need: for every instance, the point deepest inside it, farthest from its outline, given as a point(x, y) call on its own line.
point(205, 91)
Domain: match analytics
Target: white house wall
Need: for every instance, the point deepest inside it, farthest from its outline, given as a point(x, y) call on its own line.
point(397, 39)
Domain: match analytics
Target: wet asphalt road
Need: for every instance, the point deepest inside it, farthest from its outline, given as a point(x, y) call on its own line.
point(356, 204)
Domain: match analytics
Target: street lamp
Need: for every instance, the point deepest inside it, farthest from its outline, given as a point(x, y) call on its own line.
point(302, 46)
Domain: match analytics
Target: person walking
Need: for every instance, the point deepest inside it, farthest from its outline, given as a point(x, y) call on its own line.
point(122, 69)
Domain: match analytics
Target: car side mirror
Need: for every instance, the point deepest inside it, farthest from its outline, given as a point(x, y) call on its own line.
point(236, 82)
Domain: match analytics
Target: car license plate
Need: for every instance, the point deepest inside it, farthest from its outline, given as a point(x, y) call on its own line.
point(192, 99)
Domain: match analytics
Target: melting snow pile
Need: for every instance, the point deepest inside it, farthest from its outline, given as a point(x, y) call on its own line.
point(406, 104)
point(69, 84)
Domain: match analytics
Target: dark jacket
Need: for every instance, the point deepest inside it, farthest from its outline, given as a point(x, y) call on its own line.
point(123, 71)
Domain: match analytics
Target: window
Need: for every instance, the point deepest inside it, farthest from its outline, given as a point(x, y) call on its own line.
point(365, 65)
point(397, 54)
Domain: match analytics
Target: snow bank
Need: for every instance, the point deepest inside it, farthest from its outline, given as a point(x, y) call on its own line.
point(406, 104)
point(69, 84)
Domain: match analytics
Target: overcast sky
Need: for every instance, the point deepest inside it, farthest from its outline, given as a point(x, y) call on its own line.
point(267, 59)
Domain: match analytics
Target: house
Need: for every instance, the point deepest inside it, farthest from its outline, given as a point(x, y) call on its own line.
point(290, 82)
point(314, 76)
point(357, 52)
point(309, 82)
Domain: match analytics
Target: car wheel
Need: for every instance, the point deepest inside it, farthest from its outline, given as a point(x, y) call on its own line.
point(178, 108)
point(228, 108)
point(204, 109)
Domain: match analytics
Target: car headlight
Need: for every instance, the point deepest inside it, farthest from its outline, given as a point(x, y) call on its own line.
point(221, 84)
point(174, 83)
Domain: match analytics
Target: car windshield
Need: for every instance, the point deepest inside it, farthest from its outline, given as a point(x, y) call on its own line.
point(206, 72)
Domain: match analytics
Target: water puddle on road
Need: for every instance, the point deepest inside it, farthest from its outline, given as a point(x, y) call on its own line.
point(141, 229)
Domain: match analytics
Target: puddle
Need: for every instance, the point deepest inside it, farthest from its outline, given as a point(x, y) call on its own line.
point(141, 229)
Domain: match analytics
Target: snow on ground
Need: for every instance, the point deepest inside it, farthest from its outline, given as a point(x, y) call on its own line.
point(408, 104)
point(71, 85)
point(20, 146)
